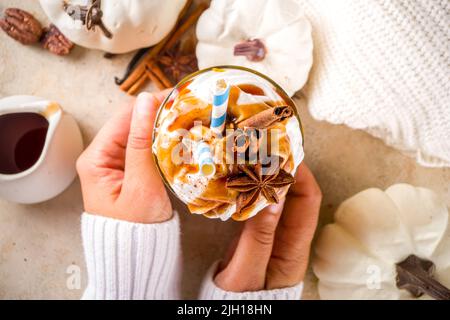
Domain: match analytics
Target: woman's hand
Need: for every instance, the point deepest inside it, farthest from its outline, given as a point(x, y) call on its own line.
point(273, 249)
point(119, 178)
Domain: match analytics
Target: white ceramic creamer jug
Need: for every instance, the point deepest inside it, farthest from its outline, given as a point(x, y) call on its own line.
point(39, 145)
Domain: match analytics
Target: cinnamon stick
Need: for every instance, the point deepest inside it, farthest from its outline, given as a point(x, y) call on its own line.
point(138, 84)
point(267, 117)
point(184, 11)
point(132, 78)
point(131, 65)
point(153, 66)
point(193, 17)
point(154, 79)
point(165, 44)
point(139, 69)
point(159, 47)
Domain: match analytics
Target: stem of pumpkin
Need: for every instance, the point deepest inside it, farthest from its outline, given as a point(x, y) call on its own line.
point(254, 50)
point(90, 16)
point(416, 275)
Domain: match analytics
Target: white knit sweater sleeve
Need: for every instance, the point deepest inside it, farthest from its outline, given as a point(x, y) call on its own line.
point(210, 291)
point(131, 261)
point(383, 67)
point(143, 261)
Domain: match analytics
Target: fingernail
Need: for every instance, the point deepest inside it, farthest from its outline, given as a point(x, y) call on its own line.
point(143, 104)
point(276, 208)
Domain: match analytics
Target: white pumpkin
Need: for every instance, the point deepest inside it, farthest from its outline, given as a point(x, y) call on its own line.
point(132, 24)
point(356, 256)
point(270, 36)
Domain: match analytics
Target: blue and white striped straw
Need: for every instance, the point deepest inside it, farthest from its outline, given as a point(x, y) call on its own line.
point(205, 160)
point(219, 106)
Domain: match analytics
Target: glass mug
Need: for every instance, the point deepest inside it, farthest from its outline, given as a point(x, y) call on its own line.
point(184, 120)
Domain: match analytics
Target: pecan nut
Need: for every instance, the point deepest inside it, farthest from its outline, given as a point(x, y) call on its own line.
point(21, 26)
point(54, 41)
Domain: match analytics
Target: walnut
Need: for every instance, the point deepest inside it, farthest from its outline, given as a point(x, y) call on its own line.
point(21, 26)
point(54, 41)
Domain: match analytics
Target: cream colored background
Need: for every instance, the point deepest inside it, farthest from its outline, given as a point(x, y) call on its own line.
point(39, 242)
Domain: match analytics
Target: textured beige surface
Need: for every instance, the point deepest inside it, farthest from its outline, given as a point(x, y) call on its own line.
point(39, 242)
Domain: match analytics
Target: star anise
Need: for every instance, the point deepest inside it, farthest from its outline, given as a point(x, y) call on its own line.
point(177, 64)
point(251, 182)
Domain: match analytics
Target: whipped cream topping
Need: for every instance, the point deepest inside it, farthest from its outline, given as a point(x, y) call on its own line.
point(192, 185)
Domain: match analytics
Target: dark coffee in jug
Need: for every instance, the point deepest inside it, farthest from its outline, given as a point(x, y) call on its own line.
point(22, 139)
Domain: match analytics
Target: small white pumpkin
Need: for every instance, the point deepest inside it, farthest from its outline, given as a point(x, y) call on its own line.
point(270, 36)
point(356, 257)
point(122, 25)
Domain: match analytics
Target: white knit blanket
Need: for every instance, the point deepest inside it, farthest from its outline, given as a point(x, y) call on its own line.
point(383, 66)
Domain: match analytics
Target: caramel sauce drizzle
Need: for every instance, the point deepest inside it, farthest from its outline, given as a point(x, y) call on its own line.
point(216, 198)
point(251, 89)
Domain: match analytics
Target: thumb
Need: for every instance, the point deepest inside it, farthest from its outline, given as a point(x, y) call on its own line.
point(246, 270)
point(139, 159)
